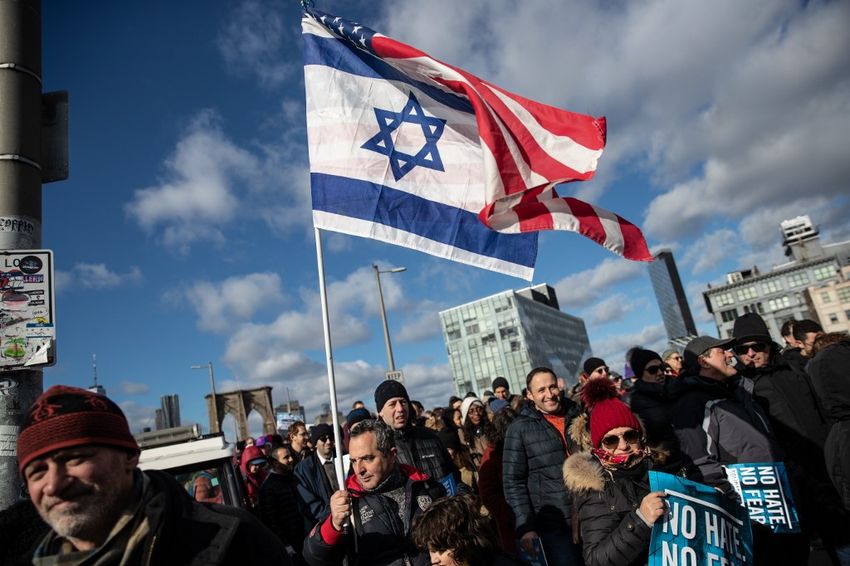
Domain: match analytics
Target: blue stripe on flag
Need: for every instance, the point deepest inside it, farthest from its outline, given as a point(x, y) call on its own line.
point(336, 54)
point(435, 221)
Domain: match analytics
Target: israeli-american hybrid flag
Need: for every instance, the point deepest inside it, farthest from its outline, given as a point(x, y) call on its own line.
point(415, 152)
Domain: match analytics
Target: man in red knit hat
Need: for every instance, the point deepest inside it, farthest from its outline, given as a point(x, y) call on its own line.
point(79, 460)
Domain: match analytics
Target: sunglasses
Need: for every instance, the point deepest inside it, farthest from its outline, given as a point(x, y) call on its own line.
point(744, 348)
point(653, 369)
point(612, 441)
point(325, 438)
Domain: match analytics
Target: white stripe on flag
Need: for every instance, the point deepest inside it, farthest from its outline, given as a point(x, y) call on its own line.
point(357, 227)
point(560, 148)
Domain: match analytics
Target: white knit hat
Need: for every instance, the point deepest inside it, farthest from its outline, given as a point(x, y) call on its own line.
point(465, 406)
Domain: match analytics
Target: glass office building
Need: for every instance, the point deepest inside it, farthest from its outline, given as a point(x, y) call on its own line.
point(672, 301)
point(509, 334)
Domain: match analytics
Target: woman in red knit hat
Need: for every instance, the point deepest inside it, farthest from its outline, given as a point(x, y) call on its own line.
point(613, 510)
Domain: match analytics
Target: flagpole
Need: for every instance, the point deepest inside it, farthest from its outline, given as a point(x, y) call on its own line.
point(329, 356)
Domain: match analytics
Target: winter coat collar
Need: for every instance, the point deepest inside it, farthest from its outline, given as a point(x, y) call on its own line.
point(408, 473)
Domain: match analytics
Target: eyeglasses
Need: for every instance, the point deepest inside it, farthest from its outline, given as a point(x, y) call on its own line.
point(652, 369)
point(613, 440)
point(324, 438)
point(755, 347)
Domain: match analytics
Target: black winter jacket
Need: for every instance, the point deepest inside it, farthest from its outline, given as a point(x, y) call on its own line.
point(612, 533)
point(278, 506)
point(382, 536)
point(531, 469)
point(653, 403)
point(830, 372)
point(183, 532)
point(420, 448)
point(794, 409)
point(719, 423)
point(801, 428)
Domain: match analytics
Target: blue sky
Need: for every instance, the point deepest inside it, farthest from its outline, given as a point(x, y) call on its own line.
point(183, 234)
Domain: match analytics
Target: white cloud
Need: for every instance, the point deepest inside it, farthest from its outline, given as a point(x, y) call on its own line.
point(197, 194)
point(210, 183)
point(423, 327)
point(266, 350)
point(252, 41)
point(220, 305)
point(697, 303)
point(773, 126)
point(138, 416)
point(611, 309)
point(134, 387)
point(586, 286)
point(726, 107)
point(95, 276)
point(712, 249)
point(613, 348)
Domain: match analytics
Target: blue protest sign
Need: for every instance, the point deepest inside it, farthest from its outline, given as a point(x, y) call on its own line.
point(450, 484)
point(702, 527)
point(765, 490)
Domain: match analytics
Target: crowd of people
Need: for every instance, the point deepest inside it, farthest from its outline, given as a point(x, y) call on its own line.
point(493, 479)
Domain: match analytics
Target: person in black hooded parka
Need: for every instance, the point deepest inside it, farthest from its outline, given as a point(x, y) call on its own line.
point(798, 422)
point(831, 379)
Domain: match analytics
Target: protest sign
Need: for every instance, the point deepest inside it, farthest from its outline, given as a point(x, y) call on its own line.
point(702, 527)
point(765, 490)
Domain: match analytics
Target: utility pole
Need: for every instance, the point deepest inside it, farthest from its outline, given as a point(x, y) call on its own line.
point(20, 198)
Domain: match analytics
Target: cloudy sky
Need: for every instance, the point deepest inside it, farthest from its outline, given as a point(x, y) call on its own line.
point(184, 236)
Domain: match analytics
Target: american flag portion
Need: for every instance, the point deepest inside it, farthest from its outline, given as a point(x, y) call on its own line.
point(521, 149)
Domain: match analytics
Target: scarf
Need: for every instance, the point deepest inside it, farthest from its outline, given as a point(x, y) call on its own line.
point(620, 461)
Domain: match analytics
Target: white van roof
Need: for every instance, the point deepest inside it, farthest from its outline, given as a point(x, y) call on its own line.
point(185, 454)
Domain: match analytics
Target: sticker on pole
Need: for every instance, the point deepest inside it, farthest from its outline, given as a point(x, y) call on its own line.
point(27, 325)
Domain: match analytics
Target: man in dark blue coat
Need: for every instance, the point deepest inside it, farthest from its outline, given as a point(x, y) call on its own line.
point(315, 477)
point(534, 453)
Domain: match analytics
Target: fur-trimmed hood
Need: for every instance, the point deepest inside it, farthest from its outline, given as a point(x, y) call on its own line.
point(579, 431)
point(583, 472)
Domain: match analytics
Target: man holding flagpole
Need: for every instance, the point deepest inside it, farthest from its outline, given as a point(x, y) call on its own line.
point(415, 152)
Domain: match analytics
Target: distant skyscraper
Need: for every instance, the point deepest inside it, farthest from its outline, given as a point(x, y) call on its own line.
point(671, 298)
point(509, 334)
point(168, 416)
point(94, 387)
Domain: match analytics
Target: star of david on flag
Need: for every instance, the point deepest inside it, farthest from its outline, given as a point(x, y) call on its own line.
point(415, 152)
point(384, 143)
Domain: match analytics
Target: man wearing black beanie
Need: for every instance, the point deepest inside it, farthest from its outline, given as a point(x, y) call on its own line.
point(417, 446)
point(788, 397)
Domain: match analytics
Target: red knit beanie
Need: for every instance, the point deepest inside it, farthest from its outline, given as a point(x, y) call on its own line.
point(63, 417)
point(607, 412)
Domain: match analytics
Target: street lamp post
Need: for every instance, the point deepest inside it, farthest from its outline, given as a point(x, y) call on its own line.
point(390, 360)
point(217, 426)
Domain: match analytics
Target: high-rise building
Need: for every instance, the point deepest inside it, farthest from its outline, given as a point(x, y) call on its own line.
point(672, 301)
point(830, 303)
point(94, 387)
point(168, 415)
point(782, 293)
point(509, 334)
